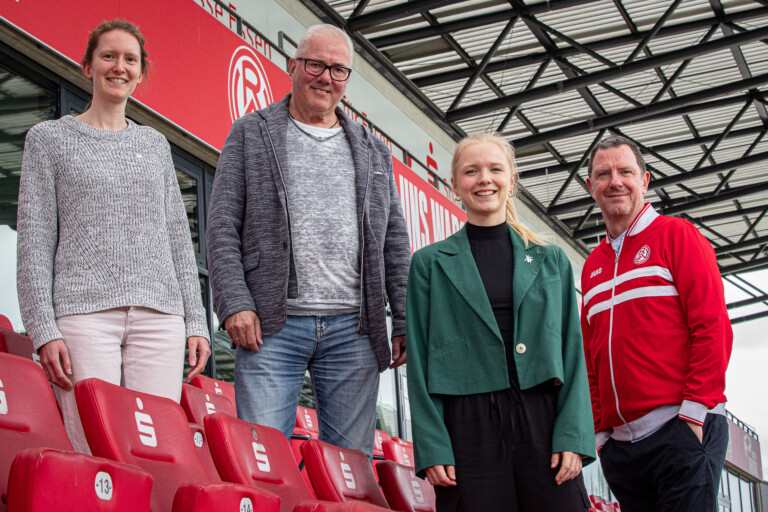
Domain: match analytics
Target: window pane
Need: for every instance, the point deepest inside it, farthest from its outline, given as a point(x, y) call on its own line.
point(746, 495)
point(23, 103)
point(188, 186)
point(386, 405)
point(733, 484)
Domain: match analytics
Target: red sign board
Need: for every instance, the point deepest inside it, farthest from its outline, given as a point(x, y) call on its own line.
point(744, 451)
point(201, 71)
point(430, 216)
point(203, 76)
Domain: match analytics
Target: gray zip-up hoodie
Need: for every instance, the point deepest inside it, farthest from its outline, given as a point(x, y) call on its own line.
point(250, 250)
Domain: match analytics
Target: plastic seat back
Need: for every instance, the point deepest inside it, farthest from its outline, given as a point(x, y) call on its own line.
point(340, 474)
point(403, 489)
point(378, 448)
point(198, 403)
point(250, 454)
point(200, 439)
point(212, 497)
point(306, 420)
point(5, 323)
point(144, 430)
point(17, 344)
point(46, 480)
point(29, 416)
point(400, 451)
point(326, 506)
point(216, 387)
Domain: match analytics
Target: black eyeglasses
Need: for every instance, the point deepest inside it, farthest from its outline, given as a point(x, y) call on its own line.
point(317, 68)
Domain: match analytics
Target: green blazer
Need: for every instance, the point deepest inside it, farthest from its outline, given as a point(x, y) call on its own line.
point(455, 347)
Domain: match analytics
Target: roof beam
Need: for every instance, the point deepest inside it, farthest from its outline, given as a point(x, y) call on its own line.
point(395, 12)
point(680, 205)
point(747, 266)
point(408, 36)
point(480, 68)
point(749, 318)
point(536, 58)
point(659, 148)
point(559, 87)
point(669, 107)
point(725, 249)
point(654, 30)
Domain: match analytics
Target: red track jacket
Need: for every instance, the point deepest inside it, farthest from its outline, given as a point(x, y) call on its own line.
point(655, 325)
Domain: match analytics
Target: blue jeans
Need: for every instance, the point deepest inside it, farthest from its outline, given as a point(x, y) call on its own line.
point(344, 372)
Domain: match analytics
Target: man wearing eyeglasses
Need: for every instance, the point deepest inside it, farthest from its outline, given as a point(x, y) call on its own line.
point(307, 244)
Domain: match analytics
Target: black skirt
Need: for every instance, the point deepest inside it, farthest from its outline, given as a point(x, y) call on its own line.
point(502, 444)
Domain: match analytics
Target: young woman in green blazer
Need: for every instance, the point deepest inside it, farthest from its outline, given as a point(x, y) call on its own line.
point(497, 382)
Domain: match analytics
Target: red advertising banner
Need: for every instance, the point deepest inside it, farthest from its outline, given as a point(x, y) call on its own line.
point(430, 216)
point(744, 451)
point(203, 75)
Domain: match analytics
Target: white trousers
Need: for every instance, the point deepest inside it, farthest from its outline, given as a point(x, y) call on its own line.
point(139, 348)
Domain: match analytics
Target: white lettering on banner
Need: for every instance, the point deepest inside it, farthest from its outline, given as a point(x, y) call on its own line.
point(415, 209)
point(262, 461)
point(416, 489)
point(144, 426)
point(248, 85)
point(209, 406)
point(219, 391)
point(3, 400)
point(230, 21)
point(308, 418)
point(444, 223)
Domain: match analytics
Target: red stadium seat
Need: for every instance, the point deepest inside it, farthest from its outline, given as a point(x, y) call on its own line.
point(250, 454)
point(340, 474)
point(403, 490)
point(196, 497)
point(378, 448)
point(306, 420)
point(45, 480)
point(400, 451)
point(203, 451)
point(29, 417)
point(324, 506)
point(5, 323)
point(378, 451)
point(198, 403)
point(153, 433)
point(216, 388)
point(307, 427)
point(17, 344)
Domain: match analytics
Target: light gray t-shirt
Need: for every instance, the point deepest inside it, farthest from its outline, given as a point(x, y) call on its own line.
point(320, 182)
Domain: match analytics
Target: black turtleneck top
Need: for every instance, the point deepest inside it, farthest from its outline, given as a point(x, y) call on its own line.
point(492, 250)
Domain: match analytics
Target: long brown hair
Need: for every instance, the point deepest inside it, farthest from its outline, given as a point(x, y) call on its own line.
point(509, 152)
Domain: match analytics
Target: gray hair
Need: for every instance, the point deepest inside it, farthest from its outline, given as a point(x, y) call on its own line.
point(323, 30)
point(614, 141)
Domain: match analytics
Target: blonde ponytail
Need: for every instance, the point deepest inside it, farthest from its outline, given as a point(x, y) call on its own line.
point(521, 229)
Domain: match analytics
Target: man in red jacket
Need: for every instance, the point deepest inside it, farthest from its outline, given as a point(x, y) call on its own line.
point(657, 340)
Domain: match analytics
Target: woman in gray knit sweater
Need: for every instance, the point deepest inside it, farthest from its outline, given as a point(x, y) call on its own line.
point(107, 279)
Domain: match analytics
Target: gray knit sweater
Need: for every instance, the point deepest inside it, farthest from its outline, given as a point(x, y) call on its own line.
point(101, 224)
